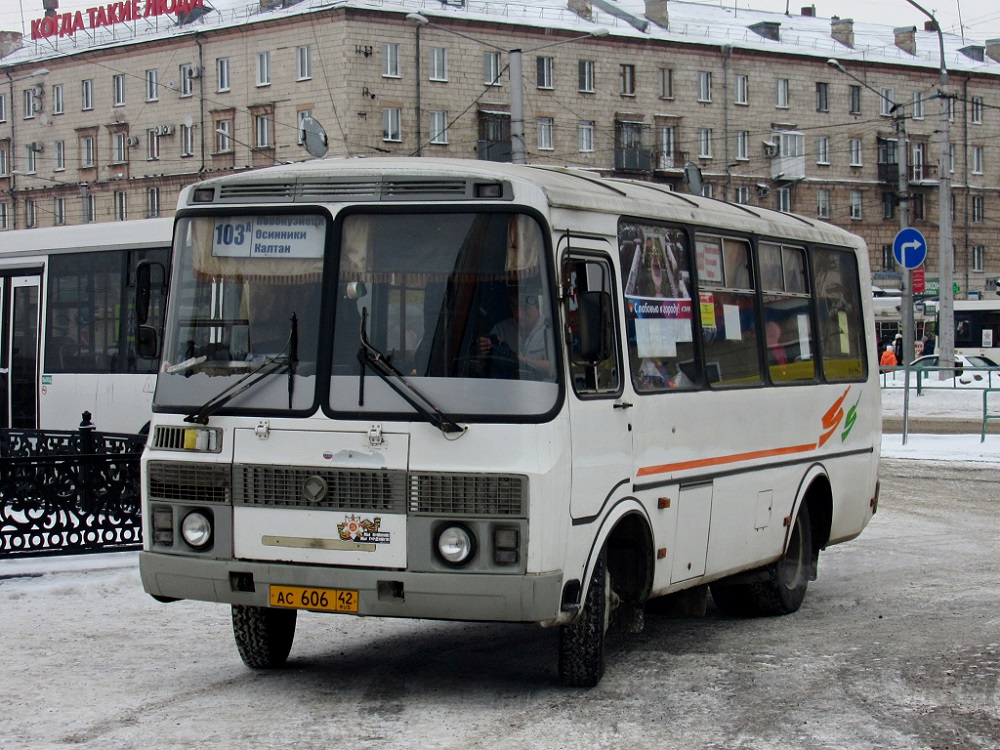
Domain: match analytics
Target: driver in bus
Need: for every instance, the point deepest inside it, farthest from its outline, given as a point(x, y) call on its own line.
point(523, 338)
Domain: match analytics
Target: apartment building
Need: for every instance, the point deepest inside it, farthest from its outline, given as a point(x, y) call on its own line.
point(104, 115)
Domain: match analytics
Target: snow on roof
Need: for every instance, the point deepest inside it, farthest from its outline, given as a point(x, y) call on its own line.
point(689, 23)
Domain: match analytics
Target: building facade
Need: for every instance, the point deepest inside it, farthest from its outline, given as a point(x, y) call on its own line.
point(105, 116)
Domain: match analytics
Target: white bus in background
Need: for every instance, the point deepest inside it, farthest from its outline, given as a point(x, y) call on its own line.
point(473, 391)
point(977, 328)
point(67, 331)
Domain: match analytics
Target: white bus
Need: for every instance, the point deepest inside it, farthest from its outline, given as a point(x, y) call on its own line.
point(977, 328)
point(474, 391)
point(67, 338)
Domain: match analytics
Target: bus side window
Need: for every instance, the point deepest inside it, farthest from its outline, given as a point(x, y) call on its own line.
point(589, 287)
point(841, 324)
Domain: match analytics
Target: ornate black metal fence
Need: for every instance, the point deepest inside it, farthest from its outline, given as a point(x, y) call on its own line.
point(69, 492)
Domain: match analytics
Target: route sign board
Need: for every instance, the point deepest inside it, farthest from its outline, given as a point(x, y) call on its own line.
point(909, 248)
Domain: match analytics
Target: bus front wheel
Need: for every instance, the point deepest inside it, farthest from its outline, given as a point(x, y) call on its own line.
point(581, 643)
point(263, 635)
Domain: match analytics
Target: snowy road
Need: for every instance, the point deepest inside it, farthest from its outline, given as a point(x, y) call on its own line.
point(896, 646)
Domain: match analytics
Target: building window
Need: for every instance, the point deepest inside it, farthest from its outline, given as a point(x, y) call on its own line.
point(152, 85)
point(978, 208)
point(742, 93)
point(743, 195)
point(29, 158)
point(918, 105)
point(58, 99)
point(87, 94)
point(491, 68)
point(705, 143)
point(666, 147)
point(60, 149)
point(187, 140)
point(887, 103)
point(823, 203)
point(626, 75)
point(302, 115)
point(3, 162)
point(439, 64)
point(543, 76)
point(263, 68)
point(152, 144)
point(977, 110)
point(4, 221)
point(223, 136)
point(854, 146)
point(888, 258)
point(951, 158)
point(186, 73)
point(978, 257)
point(707, 191)
point(666, 83)
point(977, 160)
point(855, 100)
point(742, 145)
point(949, 105)
point(781, 94)
point(3, 109)
point(545, 127)
point(118, 86)
point(30, 214)
point(222, 73)
point(303, 63)
point(439, 126)
point(784, 200)
point(888, 205)
point(262, 130)
point(29, 104)
point(119, 148)
point(391, 128)
point(585, 136)
point(121, 205)
point(704, 86)
point(88, 152)
point(585, 76)
point(89, 209)
point(918, 152)
point(855, 205)
point(822, 150)
point(390, 60)
point(822, 97)
point(916, 206)
point(152, 202)
point(59, 211)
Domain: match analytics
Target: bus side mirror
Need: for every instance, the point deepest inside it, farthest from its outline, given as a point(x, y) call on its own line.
point(144, 287)
point(147, 344)
point(595, 327)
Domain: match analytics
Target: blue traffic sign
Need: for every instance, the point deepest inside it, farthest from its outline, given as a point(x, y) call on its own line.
point(910, 248)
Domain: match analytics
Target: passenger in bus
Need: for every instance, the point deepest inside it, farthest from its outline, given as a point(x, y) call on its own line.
point(520, 341)
point(776, 354)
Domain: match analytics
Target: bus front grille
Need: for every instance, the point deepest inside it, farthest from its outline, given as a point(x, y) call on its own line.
point(189, 482)
point(467, 494)
point(331, 489)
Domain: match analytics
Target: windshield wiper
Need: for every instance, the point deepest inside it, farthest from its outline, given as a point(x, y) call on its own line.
point(369, 356)
point(268, 367)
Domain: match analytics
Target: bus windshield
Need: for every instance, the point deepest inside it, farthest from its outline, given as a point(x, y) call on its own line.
point(443, 297)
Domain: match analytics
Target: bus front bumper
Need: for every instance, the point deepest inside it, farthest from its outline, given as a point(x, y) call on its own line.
point(381, 593)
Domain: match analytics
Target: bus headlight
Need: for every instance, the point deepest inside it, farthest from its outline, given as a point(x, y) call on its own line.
point(456, 545)
point(196, 528)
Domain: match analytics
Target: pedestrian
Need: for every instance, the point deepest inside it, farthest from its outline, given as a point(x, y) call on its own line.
point(929, 344)
point(897, 346)
point(888, 358)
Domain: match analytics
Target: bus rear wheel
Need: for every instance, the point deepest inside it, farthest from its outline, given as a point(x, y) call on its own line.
point(784, 583)
point(581, 643)
point(263, 635)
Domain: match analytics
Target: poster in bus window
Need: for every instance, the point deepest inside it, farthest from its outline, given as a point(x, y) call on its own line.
point(657, 287)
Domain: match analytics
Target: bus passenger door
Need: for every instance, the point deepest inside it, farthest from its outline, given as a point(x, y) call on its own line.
point(600, 419)
point(19, 302)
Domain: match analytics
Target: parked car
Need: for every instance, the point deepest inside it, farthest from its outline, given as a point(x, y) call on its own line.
point(976, 361)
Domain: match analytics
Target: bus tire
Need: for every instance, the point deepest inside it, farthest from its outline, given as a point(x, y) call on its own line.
point(784, 582)
point(263, 635)
point(581, 643)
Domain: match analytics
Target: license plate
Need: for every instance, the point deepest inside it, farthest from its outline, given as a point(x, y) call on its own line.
point(320, 600)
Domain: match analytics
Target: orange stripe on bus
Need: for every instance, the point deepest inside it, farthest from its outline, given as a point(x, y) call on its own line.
point(720, 460)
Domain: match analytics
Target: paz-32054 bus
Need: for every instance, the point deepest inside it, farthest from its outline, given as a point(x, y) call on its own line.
point(473, 391)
